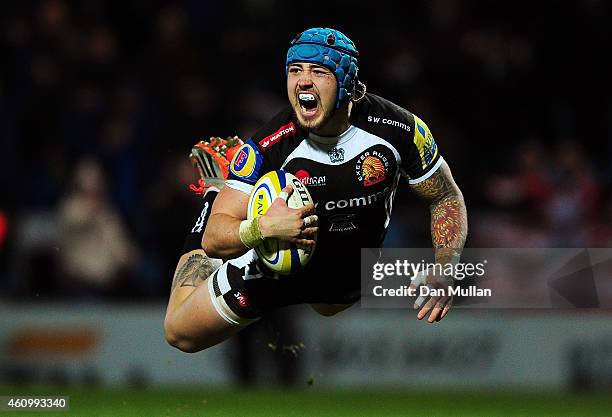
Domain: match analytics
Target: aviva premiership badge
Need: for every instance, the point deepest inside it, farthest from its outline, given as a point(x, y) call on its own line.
point(336, 154)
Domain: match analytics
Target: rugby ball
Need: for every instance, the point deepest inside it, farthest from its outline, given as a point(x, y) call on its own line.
point(280, 256)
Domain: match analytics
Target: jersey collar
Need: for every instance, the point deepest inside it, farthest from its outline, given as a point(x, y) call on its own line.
point(334, 140)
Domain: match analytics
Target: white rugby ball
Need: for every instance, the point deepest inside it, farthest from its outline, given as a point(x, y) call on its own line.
point(280, 256)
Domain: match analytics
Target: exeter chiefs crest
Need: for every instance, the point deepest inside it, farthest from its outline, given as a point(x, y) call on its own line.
point(336, 155)
point(371, 168)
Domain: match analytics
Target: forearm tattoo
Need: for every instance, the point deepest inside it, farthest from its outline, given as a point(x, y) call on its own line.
point(193, 272)
point(448, 212)
point(447, 225)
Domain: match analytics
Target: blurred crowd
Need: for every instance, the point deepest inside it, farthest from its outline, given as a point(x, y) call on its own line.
point(100, 103)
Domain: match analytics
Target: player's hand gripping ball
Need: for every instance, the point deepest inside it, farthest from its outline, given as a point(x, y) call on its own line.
point(280, 256)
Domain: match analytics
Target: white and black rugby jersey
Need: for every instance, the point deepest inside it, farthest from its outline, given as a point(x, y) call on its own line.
point(352, 177)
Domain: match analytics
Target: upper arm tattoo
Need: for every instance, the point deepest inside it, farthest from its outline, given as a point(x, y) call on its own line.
point(438, 186)
point(448, 212)
point(194, 271)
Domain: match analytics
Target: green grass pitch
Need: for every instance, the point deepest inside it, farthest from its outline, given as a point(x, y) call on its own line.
point(313, 401)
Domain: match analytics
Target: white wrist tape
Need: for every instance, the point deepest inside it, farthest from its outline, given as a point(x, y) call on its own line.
point(250, 233)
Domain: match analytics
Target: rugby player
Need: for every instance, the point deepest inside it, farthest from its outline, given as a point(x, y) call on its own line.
point(351, 148)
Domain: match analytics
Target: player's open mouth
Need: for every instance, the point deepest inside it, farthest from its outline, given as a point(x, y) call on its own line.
point(308, 104)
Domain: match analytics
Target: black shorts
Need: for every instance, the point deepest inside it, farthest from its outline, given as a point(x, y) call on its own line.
point(243, 289)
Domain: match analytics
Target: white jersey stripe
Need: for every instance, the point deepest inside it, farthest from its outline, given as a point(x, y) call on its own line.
point(429, 173)
point(240, 186)
point(354, 141)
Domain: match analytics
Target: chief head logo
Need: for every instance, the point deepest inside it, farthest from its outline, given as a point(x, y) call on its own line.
point(372, 171)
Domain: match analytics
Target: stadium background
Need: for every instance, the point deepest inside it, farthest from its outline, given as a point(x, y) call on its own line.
point(100, 103)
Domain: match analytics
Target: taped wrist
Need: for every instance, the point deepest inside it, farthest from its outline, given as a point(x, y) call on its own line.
point(250, 233)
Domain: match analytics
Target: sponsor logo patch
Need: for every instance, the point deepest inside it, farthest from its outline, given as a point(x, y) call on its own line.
point(241, 159)
point(377, 119)
point(242, 299)
point(371, 168)
point(283, 132)
point(358, 201)
point(425, 143)
point(310, 180)
point(244, 161)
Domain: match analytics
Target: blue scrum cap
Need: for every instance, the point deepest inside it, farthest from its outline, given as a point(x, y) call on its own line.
point(332, 49)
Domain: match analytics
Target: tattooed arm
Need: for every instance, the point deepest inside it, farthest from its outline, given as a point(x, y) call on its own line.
point(191, 323)
point(448, 213)
point(448, 228)
point(193, 271)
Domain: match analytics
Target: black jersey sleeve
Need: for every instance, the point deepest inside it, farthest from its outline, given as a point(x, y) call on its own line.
point(407, 133)
point(263, 152)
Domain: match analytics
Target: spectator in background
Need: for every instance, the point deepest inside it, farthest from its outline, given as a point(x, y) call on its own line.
point(4, 229)
point(97, 258)
point(528, 188)
point(575, 201)
point(171, 210)
point(600, 232)
point(520, 199)
point(547, 201)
